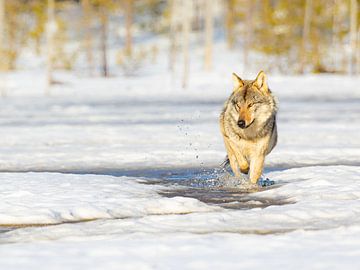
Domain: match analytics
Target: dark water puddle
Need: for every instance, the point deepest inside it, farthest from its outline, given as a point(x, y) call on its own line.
point(215, 186)
point(212, 185)
point(230, 199)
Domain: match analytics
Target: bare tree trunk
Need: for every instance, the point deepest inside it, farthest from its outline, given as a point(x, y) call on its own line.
point(186, 28)
point(358, 51)
point(129, 10)
point(2, 24)
point(50, 34)
point(104, 35)
point(209, 29)
point(229, 22)
point(306, 34)
point(353, 36)
point(335, 32)
point(172, 35)
point(88, 42)
point(2, 47)
point(248, 33)
point(174, 28)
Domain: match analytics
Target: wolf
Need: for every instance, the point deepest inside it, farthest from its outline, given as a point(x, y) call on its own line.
point(248, 125)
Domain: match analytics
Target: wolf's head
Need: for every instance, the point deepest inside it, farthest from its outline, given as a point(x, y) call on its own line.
point(252, 103)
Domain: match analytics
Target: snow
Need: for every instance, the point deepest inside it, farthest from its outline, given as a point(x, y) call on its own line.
point(329, 249)
point(56, 198)
point(121, 173)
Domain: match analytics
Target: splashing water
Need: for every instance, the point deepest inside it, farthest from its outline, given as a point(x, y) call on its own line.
point(218, 178)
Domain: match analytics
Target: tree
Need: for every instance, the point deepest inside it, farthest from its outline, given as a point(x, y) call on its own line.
point(39, 10)
point(306, 34)
point(248, 31)
point(209, 29)
point(88, 41)
point(2, 42)
point(129, 10)
point(353, 35)
point(186, 29)
point(104, 36)
point(103, 9)
point(50, 35)
point(2, 24)
point(230, 15)
point(174, 25)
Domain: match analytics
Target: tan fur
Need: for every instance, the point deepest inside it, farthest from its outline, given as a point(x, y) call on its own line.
point(252, 102)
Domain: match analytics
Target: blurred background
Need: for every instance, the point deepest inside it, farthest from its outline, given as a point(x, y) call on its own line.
point(124, 37)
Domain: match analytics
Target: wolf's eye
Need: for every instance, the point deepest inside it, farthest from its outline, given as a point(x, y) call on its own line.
point(252, 104)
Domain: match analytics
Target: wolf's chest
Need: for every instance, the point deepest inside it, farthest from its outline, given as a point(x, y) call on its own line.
point(249, 148)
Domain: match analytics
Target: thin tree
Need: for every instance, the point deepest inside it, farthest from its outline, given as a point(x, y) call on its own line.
point(186, 28)
point(306, 34)
point(2, 25)
point(358, 52)
point(172, 34)
point(230, 6)
point(353, 35)
point(50, 34)
point(335, 33)
point(104, 20)
point(209, 29)
point(2, 47)
point(248, 32)
point(129, 13)
point(88, 42)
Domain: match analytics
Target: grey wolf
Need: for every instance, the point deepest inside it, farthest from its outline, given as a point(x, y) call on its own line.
point(248, 125)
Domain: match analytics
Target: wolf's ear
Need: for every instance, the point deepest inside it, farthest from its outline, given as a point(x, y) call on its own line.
point(238, 82)
point(261, 82)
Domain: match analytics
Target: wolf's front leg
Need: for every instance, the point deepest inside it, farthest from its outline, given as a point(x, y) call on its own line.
point(232, 157)
point(256, 167)
point(243, 163)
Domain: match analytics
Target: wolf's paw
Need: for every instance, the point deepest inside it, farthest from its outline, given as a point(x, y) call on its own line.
point(265, 183)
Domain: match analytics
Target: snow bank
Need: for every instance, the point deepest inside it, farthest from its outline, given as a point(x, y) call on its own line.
point(318, 198)
point(48, 198)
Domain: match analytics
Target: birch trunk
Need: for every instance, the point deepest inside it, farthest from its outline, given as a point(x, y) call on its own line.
point(229, 22)
point(88, 42)
point(353, 36)
point(2, 25)
point(129, 9)
point(104, 35)
point(50, 34)
point(4, 64)
point(248, 34)
point(209, 29)
point(335, 32)
point(172, 35)
point(306, 34)
point(186, 28)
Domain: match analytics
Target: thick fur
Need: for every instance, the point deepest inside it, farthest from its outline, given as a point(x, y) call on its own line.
point(247, 145)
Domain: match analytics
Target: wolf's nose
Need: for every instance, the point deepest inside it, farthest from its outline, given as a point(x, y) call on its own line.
point(241, 123)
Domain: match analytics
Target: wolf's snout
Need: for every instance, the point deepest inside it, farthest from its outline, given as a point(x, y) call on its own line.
point(241, 123)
